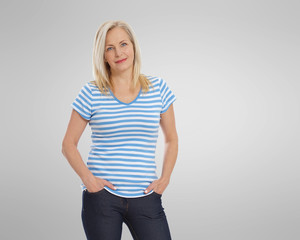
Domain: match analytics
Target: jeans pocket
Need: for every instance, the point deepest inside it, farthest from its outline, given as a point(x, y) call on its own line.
point(92, 201)
point(158, 194)
point(94, 193)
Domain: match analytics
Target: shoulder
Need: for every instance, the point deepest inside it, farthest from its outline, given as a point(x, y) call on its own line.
point(155, 80)
point(94, 89)
point(91, 86)
point(87, 85)
point(87, 90)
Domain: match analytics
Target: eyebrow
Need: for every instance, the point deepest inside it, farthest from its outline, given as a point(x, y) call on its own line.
point(112, 44)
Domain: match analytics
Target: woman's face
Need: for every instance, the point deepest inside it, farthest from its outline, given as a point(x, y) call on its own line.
point(119, 53)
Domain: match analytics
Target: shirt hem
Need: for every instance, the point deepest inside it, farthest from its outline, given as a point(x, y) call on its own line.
point(120, 195)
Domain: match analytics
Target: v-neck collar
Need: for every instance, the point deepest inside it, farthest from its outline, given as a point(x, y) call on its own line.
point(124, 102)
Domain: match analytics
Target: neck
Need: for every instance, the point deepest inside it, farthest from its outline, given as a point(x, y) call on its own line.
point(123, 79)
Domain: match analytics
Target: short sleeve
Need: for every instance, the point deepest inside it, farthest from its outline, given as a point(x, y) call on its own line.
point(83, 102)
point(167, 96)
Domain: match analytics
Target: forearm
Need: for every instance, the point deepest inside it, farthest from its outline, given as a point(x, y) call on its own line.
point(73, 156)
point(170, 156)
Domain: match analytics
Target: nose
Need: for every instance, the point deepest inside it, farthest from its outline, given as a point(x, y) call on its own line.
point(117, 51)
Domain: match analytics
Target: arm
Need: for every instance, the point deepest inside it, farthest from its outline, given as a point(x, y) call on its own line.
point(168, 127)
point(74, 131)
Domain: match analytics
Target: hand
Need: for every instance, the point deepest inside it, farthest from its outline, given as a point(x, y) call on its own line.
point(158, 185)
point(95, 184)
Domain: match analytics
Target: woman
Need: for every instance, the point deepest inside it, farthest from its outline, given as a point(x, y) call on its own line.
point(124, 109)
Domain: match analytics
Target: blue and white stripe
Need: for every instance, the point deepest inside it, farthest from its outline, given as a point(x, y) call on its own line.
point(124, 135)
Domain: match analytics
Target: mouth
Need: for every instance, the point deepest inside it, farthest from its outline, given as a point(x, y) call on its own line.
point(122, 60)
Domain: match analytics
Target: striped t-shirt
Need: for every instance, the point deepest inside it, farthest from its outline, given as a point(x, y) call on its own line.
point(124, 135)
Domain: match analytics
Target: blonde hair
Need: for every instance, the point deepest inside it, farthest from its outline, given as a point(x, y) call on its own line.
point(101, 69)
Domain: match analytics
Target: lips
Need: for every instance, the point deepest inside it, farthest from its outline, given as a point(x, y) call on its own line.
point(122, 60)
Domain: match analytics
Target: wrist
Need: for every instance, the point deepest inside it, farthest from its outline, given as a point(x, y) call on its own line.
point(165, 179)
point(88, 178)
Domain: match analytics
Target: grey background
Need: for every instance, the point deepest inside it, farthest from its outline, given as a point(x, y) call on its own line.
point(234, 67)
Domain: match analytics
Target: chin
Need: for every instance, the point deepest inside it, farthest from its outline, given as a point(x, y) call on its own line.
point(124, 68)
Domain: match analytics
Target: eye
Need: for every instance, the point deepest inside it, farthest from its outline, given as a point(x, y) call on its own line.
point(124, 44)
point(108, 49)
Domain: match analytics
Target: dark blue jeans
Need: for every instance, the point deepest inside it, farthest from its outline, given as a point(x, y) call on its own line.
point(103, 215)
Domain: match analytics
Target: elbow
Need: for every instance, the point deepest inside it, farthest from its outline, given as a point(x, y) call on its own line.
point(66, 145)
point(172, 139)
point(63, 148)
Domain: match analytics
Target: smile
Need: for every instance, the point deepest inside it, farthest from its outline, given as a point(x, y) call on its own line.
point(123, 60)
